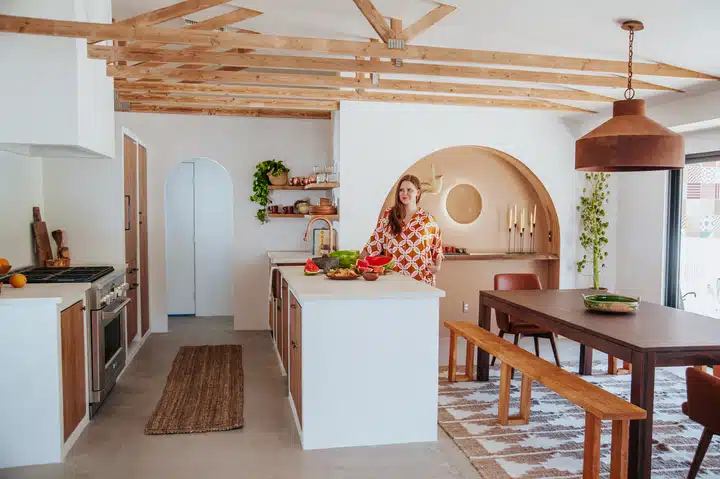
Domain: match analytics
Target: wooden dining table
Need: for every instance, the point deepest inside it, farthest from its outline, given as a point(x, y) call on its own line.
point(654, 336)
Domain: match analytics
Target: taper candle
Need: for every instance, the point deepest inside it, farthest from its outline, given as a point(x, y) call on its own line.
point(509, 217)
point(515, 214)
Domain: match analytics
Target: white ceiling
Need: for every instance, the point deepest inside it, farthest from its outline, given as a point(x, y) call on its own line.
point(680, 33)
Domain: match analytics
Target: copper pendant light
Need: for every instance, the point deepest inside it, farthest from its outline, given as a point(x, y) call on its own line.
point(630, 141)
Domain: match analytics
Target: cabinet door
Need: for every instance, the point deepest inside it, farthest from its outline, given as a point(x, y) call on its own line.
point(130, 198)
point(296, 355)
point(143, 228)
point(131, 311)
point(283, 332)
point(74, 381)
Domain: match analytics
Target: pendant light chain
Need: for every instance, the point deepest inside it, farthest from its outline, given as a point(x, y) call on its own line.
point(630, 92)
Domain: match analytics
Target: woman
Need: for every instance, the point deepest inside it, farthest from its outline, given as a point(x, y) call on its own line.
point(408, 234)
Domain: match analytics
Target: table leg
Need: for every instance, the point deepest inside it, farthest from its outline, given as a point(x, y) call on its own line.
point(643, 395)
point(586, 355)
point(483, 359)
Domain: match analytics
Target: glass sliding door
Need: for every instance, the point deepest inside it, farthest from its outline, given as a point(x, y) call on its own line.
point(694, 246)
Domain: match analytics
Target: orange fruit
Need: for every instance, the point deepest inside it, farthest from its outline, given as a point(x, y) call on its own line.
point(4, 262)
point(18, 280)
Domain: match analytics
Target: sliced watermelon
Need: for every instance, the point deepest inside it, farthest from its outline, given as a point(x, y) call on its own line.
point(362, 266)
point(311, 269)
point(387, 262)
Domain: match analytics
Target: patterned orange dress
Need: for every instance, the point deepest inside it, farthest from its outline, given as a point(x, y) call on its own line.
point(415, 249)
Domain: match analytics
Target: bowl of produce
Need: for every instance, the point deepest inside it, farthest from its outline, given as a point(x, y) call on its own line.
point(347, 258)
point(326, 263)
point(370, 276)
point(382, 264)
point(611, 303)
point(342, 274)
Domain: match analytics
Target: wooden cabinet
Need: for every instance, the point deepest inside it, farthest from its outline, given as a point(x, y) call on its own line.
point(295, 372)
point(130, 198)
point(283, 329)
point(74, 380)
point(143, 238)
point(131, 311)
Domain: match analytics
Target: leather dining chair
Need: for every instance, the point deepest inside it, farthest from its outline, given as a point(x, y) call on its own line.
point(514, 326)
point(703, 407)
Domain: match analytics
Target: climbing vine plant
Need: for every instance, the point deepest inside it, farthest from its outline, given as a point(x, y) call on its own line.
point(593, 236)
point(261, 192)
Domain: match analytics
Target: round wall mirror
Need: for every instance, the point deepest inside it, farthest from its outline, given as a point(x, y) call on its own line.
point(464, 203)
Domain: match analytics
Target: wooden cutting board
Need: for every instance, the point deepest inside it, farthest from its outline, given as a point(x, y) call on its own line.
point(42, 239)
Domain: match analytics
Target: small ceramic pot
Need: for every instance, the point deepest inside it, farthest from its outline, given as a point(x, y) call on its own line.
point(370, 276)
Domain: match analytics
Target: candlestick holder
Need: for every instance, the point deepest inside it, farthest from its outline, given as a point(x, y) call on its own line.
point(514, 249)
point(509, 248)
point(522, 241)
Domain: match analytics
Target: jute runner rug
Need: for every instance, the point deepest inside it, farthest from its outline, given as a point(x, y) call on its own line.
point(551, 445)
point(204, 392)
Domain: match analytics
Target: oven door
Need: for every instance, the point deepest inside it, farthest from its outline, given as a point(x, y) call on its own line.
point(108, 347)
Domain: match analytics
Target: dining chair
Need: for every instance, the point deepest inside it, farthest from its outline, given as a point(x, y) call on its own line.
point(703, 392)
point(514, 326)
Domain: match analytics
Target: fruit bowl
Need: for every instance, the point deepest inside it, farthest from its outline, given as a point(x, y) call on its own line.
point(611, 303)
point(5, 269)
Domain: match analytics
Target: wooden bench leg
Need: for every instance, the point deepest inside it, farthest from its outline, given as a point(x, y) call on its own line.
point(619, 450)
point(702, 369)
point(716, 370)
point(591, 460)
point(525, 396)
point(504, 400)
point(452, 362)
point(615, 370)
point(469, 361)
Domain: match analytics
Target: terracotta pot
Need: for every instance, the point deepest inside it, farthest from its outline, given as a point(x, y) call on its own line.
point(278, 180)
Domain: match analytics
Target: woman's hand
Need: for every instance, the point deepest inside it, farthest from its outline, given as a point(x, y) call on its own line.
point(434, 268)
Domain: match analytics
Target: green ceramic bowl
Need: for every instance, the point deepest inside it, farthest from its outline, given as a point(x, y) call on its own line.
point(611, 303)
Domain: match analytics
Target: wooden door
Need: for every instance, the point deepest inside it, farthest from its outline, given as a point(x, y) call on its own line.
point(283, 330)
point(130, 199)
point(130, 165)
point(143, 238)
point(74, 381)
point(296, 355)
point(131, 317)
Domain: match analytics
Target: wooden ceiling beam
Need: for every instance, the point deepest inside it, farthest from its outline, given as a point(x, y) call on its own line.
point(352, 94)
point(170, 12)
point(104, 31)
point(225, 101)
point(426, 22)
point(114, 54)
point(376, 20)
point(280, 79)
point(129, 92)
point(245, 112)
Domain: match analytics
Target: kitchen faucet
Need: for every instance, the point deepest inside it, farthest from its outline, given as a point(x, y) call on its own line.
point(329, 223)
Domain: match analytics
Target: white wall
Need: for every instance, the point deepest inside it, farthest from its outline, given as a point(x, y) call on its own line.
point(377, 142)
point(237, 144)
point(85, 197)
point(21, 183)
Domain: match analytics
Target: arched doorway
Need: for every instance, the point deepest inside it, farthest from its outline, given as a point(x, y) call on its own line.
point(199, 239)
point(501, 180)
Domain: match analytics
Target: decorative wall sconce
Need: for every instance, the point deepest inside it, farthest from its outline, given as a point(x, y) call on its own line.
point(434, 186)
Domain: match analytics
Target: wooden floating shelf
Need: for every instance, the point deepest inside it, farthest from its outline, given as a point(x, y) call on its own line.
point(283, 215)
point(311, 186)
point(500, 256)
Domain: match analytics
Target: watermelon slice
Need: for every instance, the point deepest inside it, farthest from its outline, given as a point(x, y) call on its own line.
point(362, 266)
point(311, 269)
point(387, 262)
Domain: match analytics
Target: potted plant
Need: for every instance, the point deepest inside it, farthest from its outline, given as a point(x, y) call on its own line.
point(593, 236)
point(266, 173)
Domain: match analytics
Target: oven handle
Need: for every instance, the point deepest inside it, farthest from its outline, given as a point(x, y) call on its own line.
point(108, 315)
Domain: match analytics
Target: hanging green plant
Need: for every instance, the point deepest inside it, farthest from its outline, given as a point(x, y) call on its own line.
point(261, 193)
point(593, 237)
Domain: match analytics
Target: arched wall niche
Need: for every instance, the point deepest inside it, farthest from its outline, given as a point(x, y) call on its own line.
point(502, 180)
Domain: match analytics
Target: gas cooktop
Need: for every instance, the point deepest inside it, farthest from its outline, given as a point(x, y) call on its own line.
point(77, 274)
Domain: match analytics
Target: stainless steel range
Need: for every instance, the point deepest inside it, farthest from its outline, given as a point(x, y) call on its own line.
point(106, 301)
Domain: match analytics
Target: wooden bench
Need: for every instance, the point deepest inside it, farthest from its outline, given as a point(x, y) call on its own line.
point(599, 405)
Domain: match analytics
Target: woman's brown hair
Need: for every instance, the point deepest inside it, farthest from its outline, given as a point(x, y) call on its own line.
point(398, 211)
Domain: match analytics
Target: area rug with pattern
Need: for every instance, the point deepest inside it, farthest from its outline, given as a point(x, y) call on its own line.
point(204, 392)
point(551, 445)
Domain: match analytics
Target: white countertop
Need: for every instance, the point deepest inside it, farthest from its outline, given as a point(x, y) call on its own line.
point(299, 257)
point(319, 287)
point(65, 294)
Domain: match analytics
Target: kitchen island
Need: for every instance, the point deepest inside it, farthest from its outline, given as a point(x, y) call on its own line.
point(362, 358)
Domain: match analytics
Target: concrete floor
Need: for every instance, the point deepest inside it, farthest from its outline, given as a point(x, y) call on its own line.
point(114, 447)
